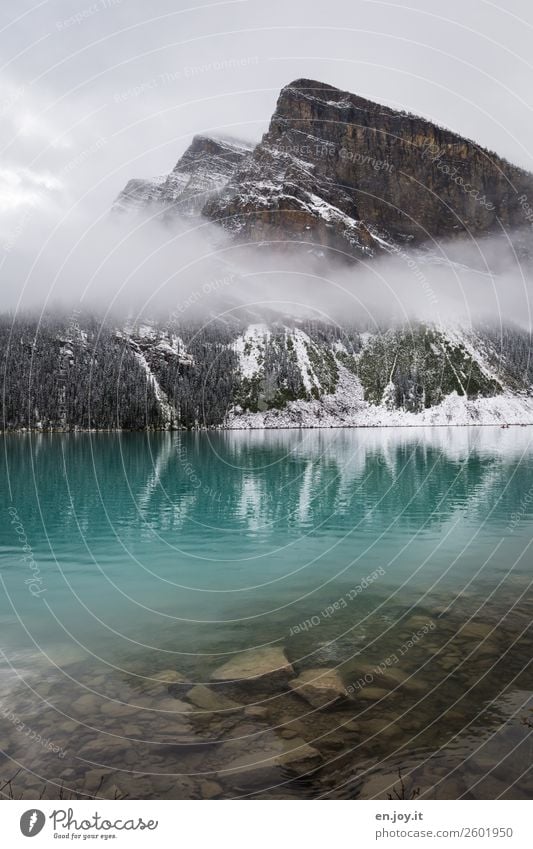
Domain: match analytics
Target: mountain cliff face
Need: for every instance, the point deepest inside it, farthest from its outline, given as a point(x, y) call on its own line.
point(341, 170)
point(344, 173)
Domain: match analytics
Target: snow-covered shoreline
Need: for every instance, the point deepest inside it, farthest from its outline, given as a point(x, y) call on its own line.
point(236, 425)
point(282, 420)
point(412, 426)
point(346, 407)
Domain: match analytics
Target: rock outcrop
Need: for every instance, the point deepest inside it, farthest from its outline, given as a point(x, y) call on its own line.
point(268, 663)
point(338, 172)
point(343, 171)
point(320, 687)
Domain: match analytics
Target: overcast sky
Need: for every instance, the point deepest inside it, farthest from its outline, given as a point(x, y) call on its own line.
point(92, 94)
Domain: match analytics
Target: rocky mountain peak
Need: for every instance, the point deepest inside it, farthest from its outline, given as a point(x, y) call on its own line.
point(356, 176)
point(204, 168)
point(338, 172)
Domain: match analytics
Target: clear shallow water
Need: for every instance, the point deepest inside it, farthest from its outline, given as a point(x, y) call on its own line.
point(176, 551)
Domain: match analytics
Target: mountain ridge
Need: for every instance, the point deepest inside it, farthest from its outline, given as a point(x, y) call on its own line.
point(426, 186)
point(338, 172)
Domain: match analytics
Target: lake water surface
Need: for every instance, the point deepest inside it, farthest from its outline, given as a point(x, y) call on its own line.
point(396, 560)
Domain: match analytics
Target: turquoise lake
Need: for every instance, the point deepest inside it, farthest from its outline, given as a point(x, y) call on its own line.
point(123, 556)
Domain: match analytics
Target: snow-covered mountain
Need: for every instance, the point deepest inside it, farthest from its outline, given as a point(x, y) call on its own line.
point(204, 169)
point(339, 177)
point(338, 172)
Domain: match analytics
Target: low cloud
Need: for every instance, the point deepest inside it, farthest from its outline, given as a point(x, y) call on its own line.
point(142, 267)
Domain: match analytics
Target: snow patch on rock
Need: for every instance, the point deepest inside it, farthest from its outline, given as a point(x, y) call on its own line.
point(301, 342)
point(250, 349)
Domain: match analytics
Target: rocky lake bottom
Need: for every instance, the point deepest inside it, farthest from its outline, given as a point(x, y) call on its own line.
point(325, 615)
point(429, 702)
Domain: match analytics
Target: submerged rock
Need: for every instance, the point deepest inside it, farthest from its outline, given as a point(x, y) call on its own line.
point(372, 694)
point(319, 687)
point(366, 676)
point(288, 733)
point(168, 680)
point(169, 676)
point(118, 709)
point(420, 621)
point(209, 700)
point(266, 663)
point(379, 727)
point(95, 778)
point(476, 630)
point(89, 704)
point(210, 789)
point(271, 763)
point(256, 711)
